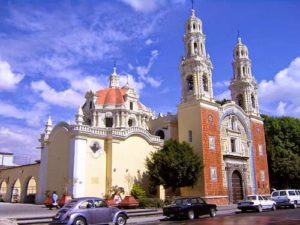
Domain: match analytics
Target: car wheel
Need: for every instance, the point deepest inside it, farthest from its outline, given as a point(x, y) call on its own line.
point(259, 209)
point(79, 221)
point(294, 206)
point(273, 207)
point(212, 213)
point(121, 220)
point(191, 214)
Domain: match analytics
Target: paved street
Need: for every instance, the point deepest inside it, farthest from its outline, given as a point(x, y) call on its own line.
point(227, 215)
point(279, 217)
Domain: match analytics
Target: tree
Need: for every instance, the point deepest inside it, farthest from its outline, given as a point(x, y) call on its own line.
point(223, 101)
point(283, 150)
point(174, 166)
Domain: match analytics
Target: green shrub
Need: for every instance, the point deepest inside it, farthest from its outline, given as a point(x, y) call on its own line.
point(151, 203)
point(137, 191)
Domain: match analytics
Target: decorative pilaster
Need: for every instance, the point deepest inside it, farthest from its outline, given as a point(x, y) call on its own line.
point(77, 167)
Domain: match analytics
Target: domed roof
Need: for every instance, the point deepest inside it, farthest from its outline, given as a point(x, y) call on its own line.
point(111, 96)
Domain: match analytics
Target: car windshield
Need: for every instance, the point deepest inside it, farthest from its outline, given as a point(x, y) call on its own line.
point(71, 204)
point(251, 197)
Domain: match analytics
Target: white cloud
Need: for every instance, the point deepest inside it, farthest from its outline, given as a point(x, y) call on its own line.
point(8, 79)
point(136, 85)
point(143, 71)
point(224, 95)
point(67, 98)
point(150, 5)
point(149, 41)
point(32, 117)
point(88, 83)
point(281, 94)
point(222, 84)
point(281, 108)
point(20, 141)
point(144, 6)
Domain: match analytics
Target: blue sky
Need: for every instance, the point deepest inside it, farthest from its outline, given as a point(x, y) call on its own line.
point(52, 52)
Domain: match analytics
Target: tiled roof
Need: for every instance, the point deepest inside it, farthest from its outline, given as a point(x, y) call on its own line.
point(111, 96)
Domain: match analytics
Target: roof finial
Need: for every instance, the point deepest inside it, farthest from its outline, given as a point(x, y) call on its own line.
point(193, 10)
point(115, 68)
point(239, 37)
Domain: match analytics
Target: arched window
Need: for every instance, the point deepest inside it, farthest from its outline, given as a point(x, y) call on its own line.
point(108, 121)
point(161, 134)
point(238, 71)
point(131, 105)
point(253, 101)
point(205, 83)
point(240, 101)
point(30, 191)
point(233, 123)
point(233, 145)
point(202, 48)
point(190, 83)
point(3, 190)
point(130, 122)
point(242, 52)
point(194, 26)
point(237, 53)
point(195, 47)
point(244, 70)
point(189, 49)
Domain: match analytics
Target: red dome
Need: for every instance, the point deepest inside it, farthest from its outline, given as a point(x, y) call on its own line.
point(111, 96)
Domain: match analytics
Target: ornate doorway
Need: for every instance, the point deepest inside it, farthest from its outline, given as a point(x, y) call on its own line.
point(237, 187)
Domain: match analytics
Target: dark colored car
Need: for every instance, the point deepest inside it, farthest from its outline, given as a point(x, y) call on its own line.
point(190, 207)
point(89, 210)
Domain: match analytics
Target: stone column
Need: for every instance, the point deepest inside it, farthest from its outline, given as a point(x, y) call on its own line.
point(42, 175)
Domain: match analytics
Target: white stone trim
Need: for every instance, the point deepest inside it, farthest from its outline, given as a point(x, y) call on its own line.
point(256, 120)
point(42, 175)
point(117, 133)
point(77, 167)
point(208, 106)
point(219, 196)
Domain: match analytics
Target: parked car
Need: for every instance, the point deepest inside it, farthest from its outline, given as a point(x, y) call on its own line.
point(89, 210)
point(190, 207)
point(256, 202)
point(287, 197)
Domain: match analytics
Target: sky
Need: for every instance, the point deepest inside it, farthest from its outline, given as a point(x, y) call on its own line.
point(53, 52)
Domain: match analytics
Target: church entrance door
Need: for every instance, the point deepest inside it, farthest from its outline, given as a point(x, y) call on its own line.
point(237, 187)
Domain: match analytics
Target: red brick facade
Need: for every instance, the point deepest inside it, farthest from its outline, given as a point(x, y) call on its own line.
point(212, 157)
point(260, 158)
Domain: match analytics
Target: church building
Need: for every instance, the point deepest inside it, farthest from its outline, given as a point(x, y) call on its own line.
point(114, 133)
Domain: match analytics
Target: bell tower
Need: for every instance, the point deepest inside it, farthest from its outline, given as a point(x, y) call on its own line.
point(198, 114)
point(195, 66)
point(243, 85)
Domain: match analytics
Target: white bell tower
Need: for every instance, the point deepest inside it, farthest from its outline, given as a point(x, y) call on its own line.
point(243, 85)
point(195, 67)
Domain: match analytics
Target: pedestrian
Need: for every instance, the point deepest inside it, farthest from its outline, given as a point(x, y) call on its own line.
point(54, 201)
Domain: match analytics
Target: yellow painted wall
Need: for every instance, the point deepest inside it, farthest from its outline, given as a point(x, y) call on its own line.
point(128, 161)
point(189, 118)
point(21, 174)
point(58, 161)
point(167, 121)
point(95, 169)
